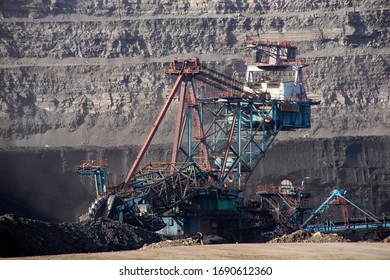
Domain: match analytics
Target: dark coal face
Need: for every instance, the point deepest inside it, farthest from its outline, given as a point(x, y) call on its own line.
point(42, 184)
point(39, 184)
point(359, 165)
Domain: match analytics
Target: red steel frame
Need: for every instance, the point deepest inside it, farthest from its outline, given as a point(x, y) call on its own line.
point(185, 69)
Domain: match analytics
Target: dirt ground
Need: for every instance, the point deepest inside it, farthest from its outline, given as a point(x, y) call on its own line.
point(267, 251)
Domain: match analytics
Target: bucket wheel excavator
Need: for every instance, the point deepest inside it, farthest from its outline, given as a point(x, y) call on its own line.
point(223, 128)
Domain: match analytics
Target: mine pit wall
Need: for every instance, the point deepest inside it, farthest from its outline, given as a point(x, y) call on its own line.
point(91, 73)
point(94, 70)
point(41, 183)
point(359, 165)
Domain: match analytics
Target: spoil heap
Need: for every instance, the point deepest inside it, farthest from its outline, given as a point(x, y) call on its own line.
point(25, 237)
point(302, 236)
point(386, 240)
point(172, 243)
point(198, 239)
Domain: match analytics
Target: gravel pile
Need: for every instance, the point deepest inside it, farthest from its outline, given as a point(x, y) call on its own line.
point(172, 243)
point(302, 236)
point(197, 239)
point(214, 239)
point(25, 237)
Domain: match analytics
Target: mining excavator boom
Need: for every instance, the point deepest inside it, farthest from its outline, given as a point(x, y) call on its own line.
point(223, 128)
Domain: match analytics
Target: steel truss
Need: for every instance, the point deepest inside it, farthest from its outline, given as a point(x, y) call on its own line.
point(218, 141)
point(166, 185)
point(288, 203)
point(337, 197)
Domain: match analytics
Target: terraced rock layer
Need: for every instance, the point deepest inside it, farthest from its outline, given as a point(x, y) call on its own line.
point(94, 70)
